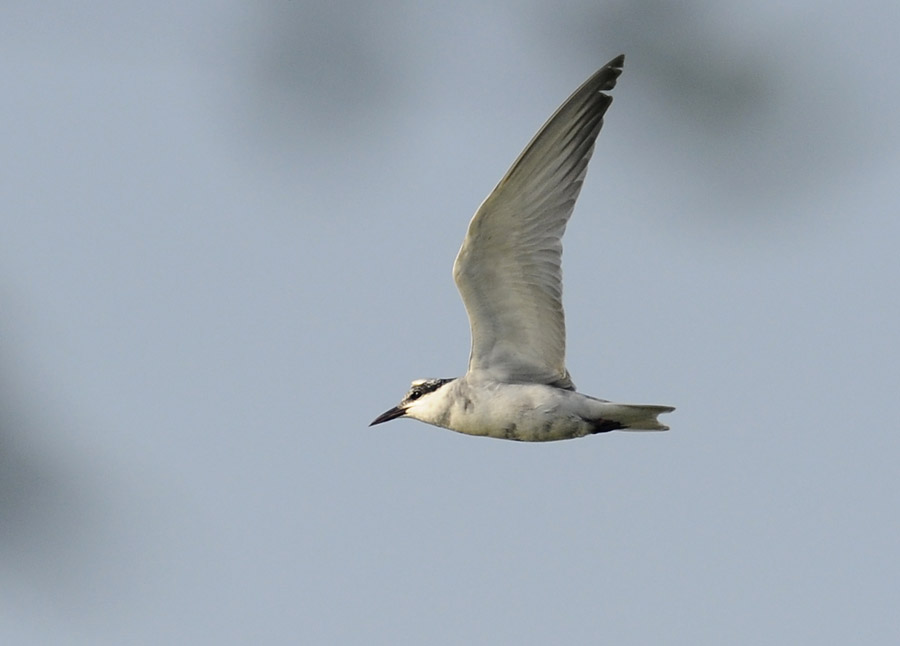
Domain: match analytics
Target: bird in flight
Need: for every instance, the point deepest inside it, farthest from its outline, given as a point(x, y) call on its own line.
point(509, 274)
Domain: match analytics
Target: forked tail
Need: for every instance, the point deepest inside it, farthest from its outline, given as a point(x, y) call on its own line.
point(637, 417)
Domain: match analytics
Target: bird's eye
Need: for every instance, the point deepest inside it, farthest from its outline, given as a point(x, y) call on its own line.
point(415, 394)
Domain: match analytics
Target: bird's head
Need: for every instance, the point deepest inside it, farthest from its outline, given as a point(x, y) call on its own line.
point(419, 399)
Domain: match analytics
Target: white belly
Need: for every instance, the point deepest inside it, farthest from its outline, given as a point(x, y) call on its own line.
point(529, 413)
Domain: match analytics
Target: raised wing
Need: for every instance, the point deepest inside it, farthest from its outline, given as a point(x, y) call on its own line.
point(508, 269)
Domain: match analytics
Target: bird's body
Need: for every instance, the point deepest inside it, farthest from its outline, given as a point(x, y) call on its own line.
point(525, 412)
point(509, 274)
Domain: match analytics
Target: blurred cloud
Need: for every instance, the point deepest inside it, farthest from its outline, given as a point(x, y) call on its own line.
point(316, 65)
point(48, 504)
point(751, 107)
point(40, 499)
point(683, 49)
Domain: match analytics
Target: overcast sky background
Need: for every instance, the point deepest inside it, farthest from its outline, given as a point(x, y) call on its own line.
point(226, 234)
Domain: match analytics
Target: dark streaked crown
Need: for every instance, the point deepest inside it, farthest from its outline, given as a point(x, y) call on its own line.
point(422, 387)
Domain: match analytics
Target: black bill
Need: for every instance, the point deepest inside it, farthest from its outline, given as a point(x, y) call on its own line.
point(387, 416)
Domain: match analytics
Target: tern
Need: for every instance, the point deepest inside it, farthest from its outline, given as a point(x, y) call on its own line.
point(509, 274)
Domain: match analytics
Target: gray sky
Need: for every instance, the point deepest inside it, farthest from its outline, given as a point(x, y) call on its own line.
point(226, 234)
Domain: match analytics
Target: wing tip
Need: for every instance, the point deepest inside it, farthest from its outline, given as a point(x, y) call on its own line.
point(610, 72)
